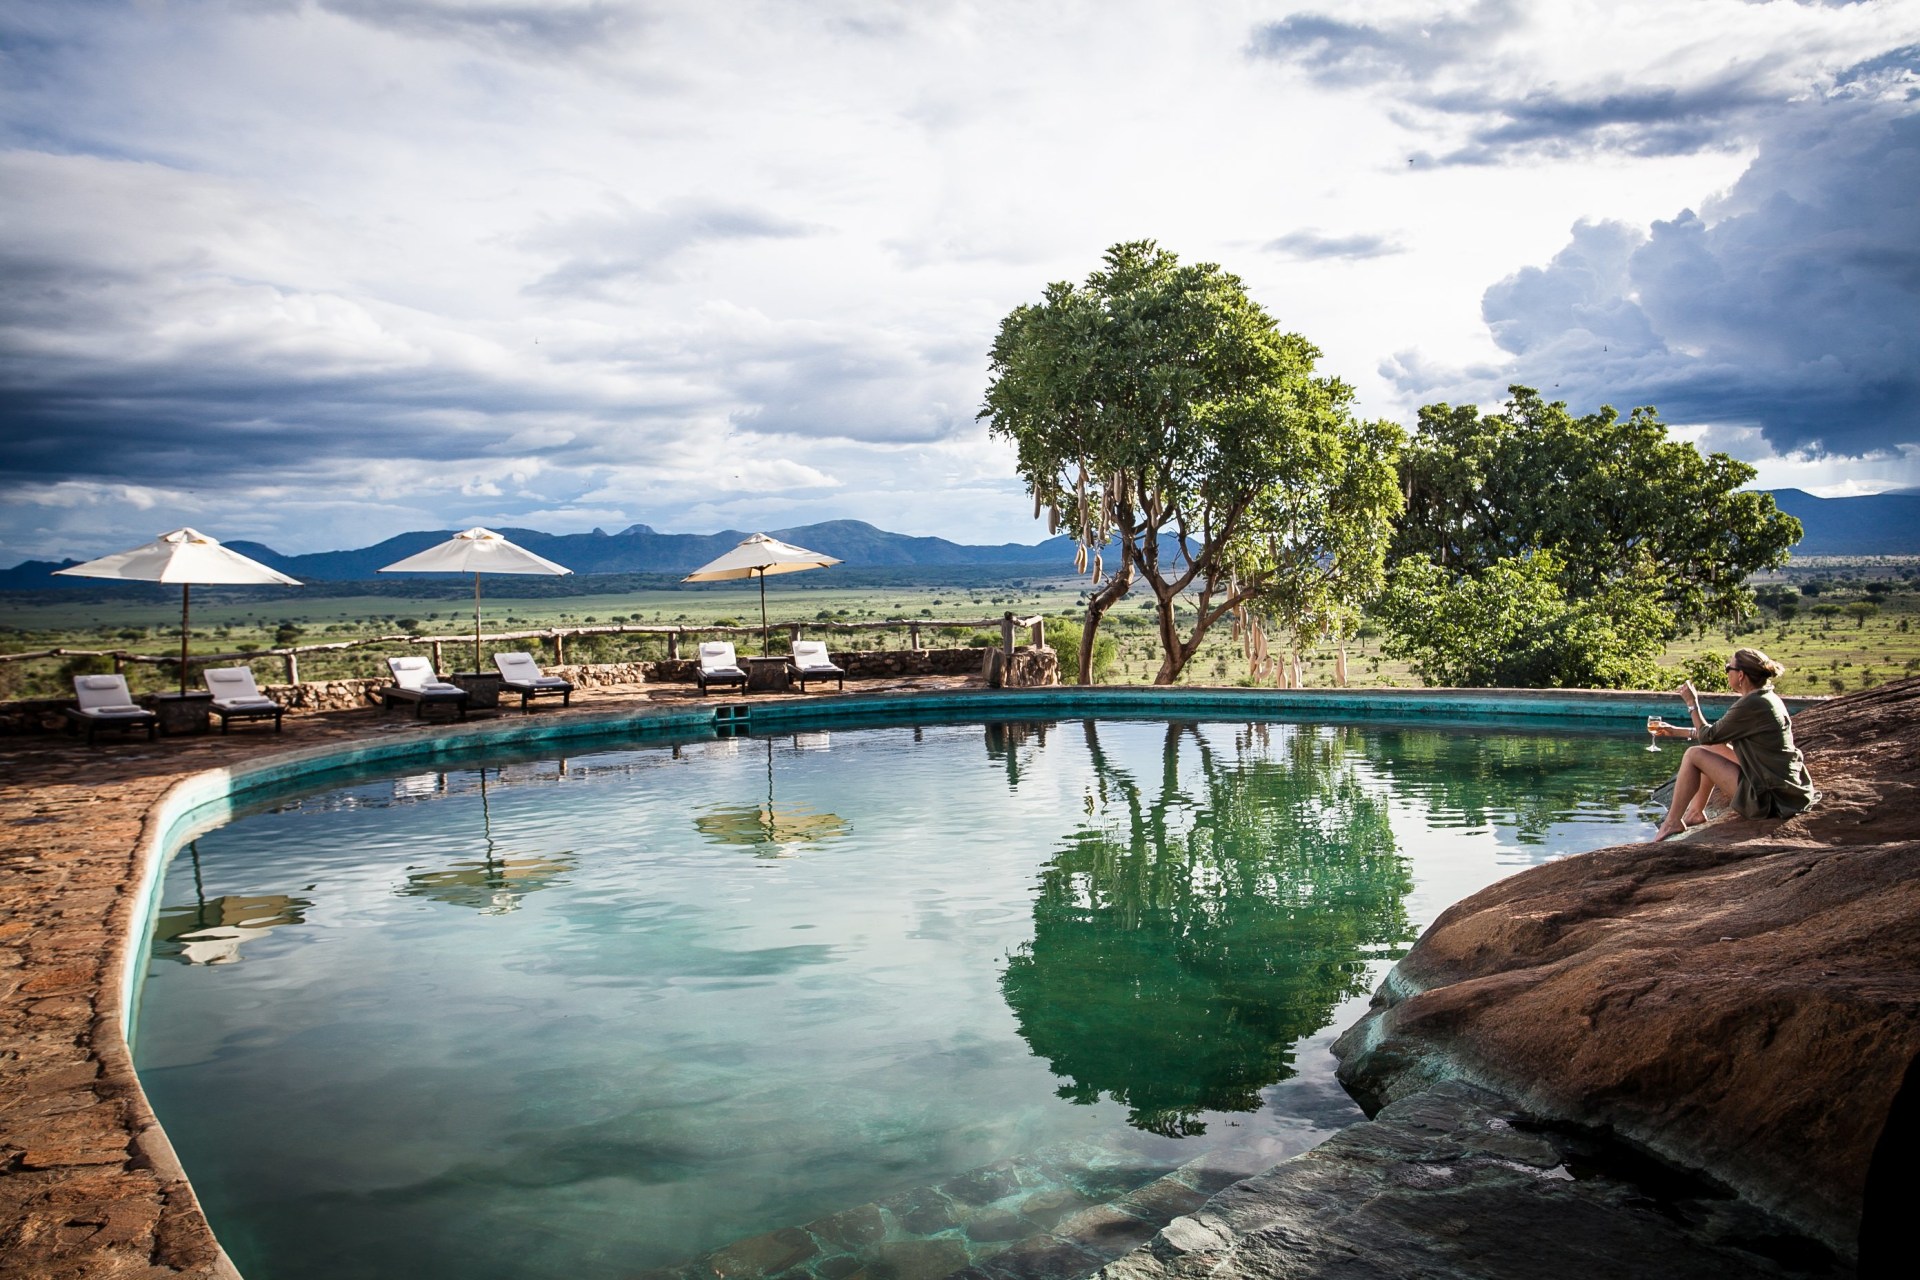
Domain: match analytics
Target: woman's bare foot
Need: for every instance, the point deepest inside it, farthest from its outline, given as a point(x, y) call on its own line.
point(1670, 828)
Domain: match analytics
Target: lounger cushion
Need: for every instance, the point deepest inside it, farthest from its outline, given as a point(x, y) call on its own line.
point(416, 676)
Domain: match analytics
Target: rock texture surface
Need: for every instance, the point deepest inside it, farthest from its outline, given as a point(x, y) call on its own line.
point(1454, 1184)
point(1744, 1002)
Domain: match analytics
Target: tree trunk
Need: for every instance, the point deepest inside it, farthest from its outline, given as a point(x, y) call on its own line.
point(1097, 605)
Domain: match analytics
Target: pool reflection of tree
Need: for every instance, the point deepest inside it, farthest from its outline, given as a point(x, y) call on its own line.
point(1013, 744)
point(1534, 782)
point(1184, 942)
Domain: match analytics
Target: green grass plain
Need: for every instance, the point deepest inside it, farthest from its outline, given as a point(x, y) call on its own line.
point(1826, 649)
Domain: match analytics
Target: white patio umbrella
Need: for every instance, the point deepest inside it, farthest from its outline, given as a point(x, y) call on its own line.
point(760, 555)
point(185, 556)
point(476, 551)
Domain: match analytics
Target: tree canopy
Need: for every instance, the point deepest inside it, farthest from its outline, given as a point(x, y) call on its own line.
point(1158, 410)
point(1611, 497)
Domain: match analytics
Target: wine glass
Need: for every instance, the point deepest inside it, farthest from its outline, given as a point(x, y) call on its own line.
point(1653, 736)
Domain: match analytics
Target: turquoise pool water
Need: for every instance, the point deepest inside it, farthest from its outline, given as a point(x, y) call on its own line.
point(588, 1015)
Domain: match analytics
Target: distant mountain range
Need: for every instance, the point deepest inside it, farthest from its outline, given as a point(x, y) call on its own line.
point(637, 549)
point(1879, 524)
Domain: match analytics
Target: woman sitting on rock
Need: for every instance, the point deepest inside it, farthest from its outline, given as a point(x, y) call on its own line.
point(1747, 754)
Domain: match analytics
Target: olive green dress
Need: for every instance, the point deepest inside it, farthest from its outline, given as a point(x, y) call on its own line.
point(1773, 775)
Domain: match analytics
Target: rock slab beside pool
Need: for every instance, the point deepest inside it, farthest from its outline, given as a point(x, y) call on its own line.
point(1454, 1183)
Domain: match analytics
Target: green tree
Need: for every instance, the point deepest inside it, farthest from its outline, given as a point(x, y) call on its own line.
point(1860, 611)
point(1161, 416)
point(1601, 491)
point(1514, 626)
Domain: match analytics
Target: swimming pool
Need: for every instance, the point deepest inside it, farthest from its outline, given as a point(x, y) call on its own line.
point(595, 1013)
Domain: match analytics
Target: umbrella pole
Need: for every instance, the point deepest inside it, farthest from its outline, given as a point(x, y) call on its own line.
point(763, 614)
point(184, 589)
point(476, 624)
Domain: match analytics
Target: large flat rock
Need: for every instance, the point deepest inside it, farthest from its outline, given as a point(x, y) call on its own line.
point(1456, 1184)
point(1744, 1002)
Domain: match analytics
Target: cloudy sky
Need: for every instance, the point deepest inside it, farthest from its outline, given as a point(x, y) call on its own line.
point(314, 272)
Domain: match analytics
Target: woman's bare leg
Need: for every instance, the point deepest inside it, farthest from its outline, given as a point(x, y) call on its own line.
point(1706, 795)
point(1701, 765)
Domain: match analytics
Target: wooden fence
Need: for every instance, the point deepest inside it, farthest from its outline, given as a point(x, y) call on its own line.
point(555, 637)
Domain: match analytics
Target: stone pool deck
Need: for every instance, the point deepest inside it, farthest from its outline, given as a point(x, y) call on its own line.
point(90, 1188)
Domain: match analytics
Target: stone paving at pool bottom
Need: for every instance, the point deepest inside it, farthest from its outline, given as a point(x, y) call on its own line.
point(1061, 1212)
point(89, 1187)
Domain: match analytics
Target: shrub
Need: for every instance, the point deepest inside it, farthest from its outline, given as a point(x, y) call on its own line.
point(84, 666)
point(1063, 637)
point(1513, 627)
point(1707, 672)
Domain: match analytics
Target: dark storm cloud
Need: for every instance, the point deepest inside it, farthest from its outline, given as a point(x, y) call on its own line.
point(211, 422)
point(1450, 75)
point(1649, 122)
point(629, 245)
point(1793, 304)
point(1336, 52)
point(1311, 245)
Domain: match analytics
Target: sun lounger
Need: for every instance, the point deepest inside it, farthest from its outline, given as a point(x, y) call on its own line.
point(237, 697)
point(105, 703)
point(810, 662)
point(520, 674)
point(414, 681)
point(718, 665)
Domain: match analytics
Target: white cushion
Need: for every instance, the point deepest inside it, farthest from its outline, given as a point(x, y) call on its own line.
point(411, 673)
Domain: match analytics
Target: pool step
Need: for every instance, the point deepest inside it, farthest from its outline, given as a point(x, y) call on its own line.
point(1057, 1214)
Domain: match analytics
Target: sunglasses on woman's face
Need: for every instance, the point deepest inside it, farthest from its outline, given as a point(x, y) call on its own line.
point(1731, 670)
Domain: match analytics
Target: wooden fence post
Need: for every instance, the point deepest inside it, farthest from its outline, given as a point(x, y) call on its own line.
point(673, 645)
point(1006, 636)
point(913, 635)
point(293, 668)
point(437, 668)
point(559, 649)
